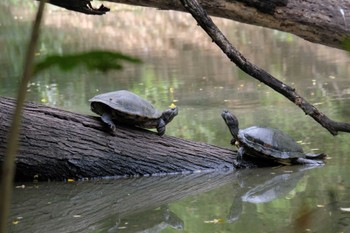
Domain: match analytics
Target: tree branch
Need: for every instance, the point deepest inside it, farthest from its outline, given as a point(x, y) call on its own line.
point(82, 6)
point(235, 56)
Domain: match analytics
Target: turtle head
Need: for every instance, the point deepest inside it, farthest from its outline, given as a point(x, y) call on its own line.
point(169, 114)
point(232, 123)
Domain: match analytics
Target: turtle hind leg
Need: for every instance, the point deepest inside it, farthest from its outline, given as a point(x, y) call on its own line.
point(315, 156)
point(309, 161)
point(107, 118)
point(161, 127)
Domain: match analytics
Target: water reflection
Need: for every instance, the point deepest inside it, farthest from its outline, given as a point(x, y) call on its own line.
point(181, 63)
point(189, 203)
point(156, 221)
point(264, 185)
point(106, 205)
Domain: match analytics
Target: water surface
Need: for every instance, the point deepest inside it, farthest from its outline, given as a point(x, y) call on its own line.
point(182, 65)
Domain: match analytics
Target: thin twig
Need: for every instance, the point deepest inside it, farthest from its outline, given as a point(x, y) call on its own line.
point(12, 143)
point(235, 56)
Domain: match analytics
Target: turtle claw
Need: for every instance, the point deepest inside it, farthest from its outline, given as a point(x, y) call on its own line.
point(161, 133)
point(114, 129)
point(236, 164)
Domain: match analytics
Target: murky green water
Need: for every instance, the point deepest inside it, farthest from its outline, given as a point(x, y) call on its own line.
point(181, 64)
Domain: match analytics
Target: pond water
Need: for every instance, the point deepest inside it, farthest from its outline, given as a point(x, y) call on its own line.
point(182, 65)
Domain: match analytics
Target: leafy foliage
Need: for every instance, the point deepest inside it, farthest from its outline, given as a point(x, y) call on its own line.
point(100, 60)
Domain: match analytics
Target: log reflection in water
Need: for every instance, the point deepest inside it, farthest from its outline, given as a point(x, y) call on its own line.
point(101, 204)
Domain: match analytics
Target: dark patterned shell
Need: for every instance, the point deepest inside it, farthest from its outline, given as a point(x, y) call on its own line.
point(128, 103)
point(270, 142)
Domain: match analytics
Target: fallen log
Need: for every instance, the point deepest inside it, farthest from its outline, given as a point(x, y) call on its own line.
point(57, 145)
point(324, 22)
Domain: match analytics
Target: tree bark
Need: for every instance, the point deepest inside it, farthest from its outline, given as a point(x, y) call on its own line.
point(324, 22)
point(57, 144)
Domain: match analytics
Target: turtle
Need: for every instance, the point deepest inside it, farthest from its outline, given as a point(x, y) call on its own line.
point(126, 107)
point(267, 145)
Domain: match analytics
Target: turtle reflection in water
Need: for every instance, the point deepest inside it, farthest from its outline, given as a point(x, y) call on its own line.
point(128, 108)
point(267, 146)
point(262, 185)
point(156, 220)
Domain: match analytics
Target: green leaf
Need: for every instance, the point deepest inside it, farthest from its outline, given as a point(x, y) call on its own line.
point(346, 43)
point(92, 60)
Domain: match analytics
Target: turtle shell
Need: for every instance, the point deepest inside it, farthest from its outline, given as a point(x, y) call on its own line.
point(270, 142)
point(125, 103)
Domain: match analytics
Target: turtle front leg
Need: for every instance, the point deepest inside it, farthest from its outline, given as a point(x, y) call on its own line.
point(161, 127)
point(240, 153)
point(107, 118)
point(238, 162)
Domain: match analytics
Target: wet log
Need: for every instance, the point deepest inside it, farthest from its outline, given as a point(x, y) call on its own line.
point(57, 145)
point(324, 22)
